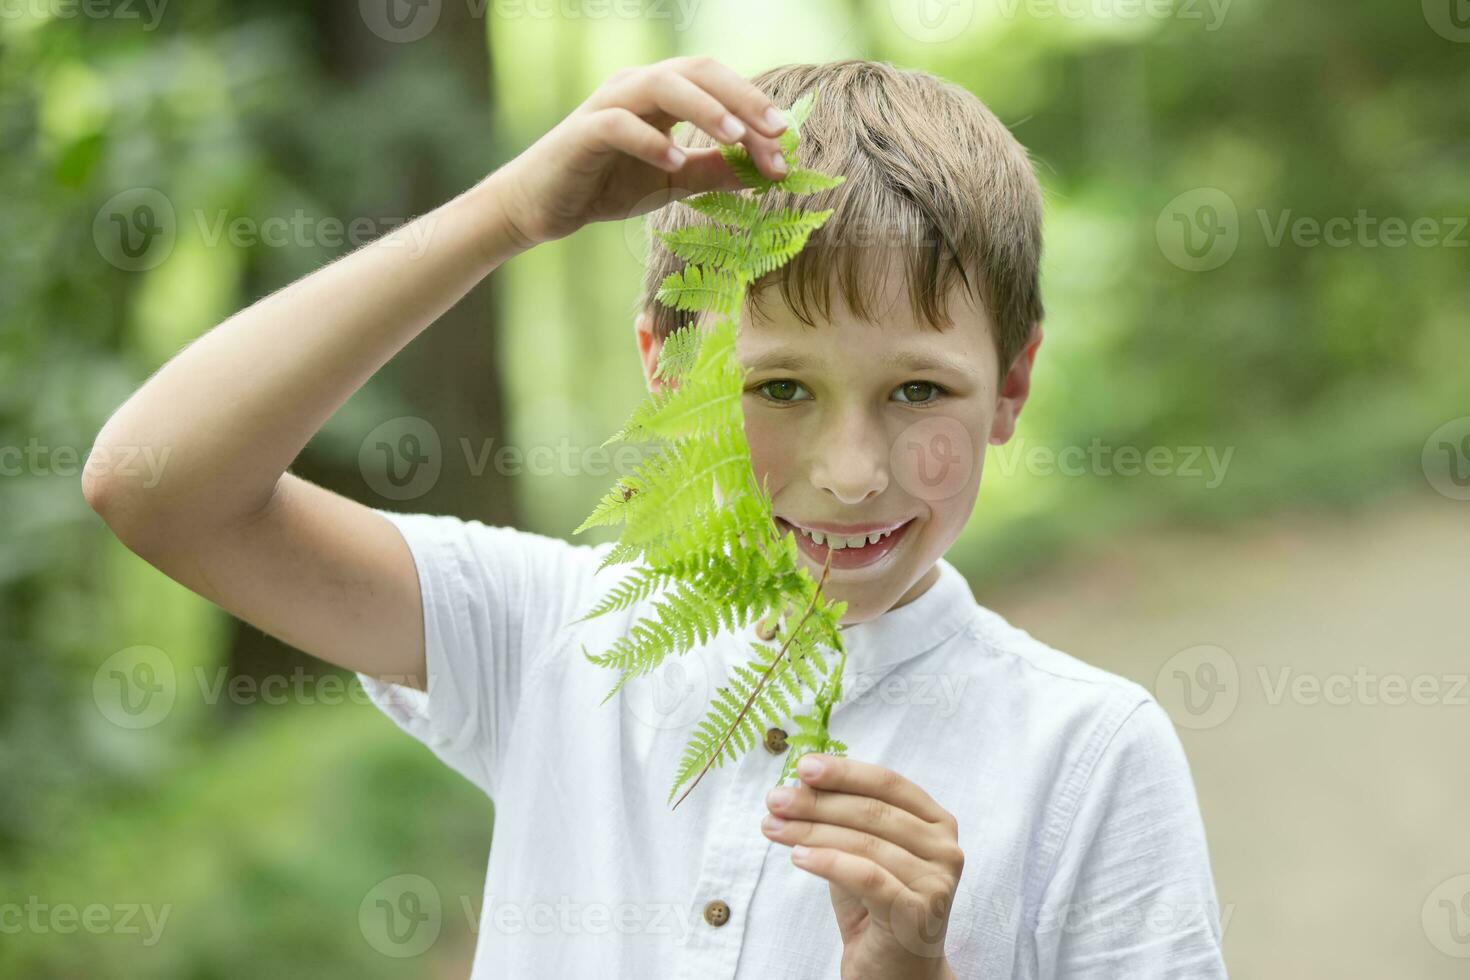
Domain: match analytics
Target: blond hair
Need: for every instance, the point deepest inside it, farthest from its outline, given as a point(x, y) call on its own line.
point(929, 168)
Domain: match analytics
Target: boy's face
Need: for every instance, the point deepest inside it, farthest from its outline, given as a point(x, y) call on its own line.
point(861, 429)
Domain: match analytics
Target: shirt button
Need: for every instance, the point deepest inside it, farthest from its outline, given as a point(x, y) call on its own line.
point(717, 913)
point(775, 741)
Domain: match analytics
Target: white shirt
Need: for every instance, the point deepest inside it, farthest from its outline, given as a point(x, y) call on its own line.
point(1085, 854)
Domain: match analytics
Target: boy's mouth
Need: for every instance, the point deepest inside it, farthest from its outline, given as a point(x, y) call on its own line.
point(858, 547)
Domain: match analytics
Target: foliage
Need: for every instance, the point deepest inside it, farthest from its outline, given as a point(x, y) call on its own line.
point(694, 515)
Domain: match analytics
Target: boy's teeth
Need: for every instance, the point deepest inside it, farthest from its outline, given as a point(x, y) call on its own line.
point(840, 543)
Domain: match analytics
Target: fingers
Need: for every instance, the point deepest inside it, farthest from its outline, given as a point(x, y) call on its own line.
point(708, 94)
point(897, 861)
point(619, 129)
point(872, 882)
point(862, 813)
point(846, 775)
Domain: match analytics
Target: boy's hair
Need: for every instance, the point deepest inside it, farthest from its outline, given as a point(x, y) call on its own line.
point(930, 170)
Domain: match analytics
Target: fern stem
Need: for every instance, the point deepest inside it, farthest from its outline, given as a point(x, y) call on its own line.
point(765, 678)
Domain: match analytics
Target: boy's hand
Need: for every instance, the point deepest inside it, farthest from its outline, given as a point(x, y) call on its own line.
point(891, 857)
point(611, 157)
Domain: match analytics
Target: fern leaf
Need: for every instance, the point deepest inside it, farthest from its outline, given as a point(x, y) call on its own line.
point(692, 513)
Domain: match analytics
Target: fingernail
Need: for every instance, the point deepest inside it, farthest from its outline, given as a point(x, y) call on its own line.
point(809, 767)
point(779, 797)
point(775, 119)
point(800, 852)
point(778, 163)
point(675, 157)
point(772, 822)
point(731, 128)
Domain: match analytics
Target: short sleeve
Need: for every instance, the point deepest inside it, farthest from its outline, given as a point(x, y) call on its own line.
point(1132, 894)
point(495, 603)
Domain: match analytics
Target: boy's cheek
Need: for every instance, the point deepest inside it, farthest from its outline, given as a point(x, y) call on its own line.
point(772, 448)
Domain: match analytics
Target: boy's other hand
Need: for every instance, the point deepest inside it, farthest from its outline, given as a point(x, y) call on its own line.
point(613, 157)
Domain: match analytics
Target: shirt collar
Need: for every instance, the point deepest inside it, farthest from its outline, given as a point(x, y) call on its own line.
point(912, 629)
point(901, 634)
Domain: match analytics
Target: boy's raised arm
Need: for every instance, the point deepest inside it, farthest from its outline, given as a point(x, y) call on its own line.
point(234, 409)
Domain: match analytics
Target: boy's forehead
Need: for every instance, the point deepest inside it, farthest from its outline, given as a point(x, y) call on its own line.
point(774, 333)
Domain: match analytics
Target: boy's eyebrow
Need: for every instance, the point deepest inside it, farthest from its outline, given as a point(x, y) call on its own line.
point(786, 359)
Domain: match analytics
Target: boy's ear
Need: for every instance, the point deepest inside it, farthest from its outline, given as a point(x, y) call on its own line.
point(1014, 388)
point(649, 348)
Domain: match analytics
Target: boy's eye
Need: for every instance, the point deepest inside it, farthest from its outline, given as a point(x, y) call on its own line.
point(917, 392)
point(781, 390)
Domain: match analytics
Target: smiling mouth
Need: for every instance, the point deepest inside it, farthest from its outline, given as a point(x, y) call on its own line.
point(859, 549)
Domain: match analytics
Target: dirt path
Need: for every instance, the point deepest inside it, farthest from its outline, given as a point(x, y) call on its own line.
point(1316, 668)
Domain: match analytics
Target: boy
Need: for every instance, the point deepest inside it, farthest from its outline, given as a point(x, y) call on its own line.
point(1010, 812)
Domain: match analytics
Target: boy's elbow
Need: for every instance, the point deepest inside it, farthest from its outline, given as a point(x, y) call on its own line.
point(120, 500)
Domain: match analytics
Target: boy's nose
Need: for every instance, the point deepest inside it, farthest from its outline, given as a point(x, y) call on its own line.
point(850, 459)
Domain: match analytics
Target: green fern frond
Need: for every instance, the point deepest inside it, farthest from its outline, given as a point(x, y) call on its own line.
point(699, 288)
point(801, 181)
point(726, 207)
point(694, 517)
point(710, 245)
point(677, 355)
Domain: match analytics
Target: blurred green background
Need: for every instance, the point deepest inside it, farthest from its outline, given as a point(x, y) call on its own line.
point(1256, 256)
